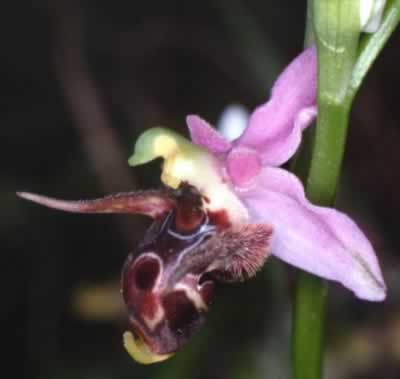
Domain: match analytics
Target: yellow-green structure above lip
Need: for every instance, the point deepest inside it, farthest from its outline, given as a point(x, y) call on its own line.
point(186, 162)
point(179, 154)
point(140, 352)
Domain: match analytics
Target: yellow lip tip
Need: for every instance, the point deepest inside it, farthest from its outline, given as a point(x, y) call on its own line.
point(140, 352)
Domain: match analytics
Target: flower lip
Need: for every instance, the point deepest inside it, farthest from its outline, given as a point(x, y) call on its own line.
point(170, 303)
point(161, 281)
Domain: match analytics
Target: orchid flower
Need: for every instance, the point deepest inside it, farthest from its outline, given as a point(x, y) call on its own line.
point(224, 208)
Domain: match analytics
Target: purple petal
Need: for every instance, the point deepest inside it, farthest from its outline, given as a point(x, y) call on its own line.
point(275, 127)
point(242, 165)
point(204, 135)
point(319, 240)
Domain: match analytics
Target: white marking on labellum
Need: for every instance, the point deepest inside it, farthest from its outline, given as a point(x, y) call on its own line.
point(152, 323)
point(157, 283)
point(192, 294)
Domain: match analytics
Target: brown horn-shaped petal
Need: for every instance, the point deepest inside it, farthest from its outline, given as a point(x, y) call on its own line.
point(234, 254)
point(242, 251)
point(149, 203)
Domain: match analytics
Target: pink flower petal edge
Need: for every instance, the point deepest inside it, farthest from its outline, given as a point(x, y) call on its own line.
point(320, 240)
point(204, 135)
point(274, 128)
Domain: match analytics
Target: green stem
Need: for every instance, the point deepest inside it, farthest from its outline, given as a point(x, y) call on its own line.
point(336, 30)
point(308, 326)
point(326, 161)
point(309, 38)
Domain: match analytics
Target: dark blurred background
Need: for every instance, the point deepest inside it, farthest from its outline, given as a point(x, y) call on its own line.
point(79, 82)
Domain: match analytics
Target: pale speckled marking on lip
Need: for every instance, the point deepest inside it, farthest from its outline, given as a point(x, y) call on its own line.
point(152, 323)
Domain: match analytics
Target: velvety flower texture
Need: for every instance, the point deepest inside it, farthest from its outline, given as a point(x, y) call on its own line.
point(320, 240)
point(225, 207)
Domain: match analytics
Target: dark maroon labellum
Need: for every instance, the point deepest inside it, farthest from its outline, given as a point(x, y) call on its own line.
point(165, 308)
point(168, 283)
point(146, 272)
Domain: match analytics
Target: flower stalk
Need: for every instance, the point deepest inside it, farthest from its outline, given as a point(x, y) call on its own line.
point(343, 64)
point(336, 29)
